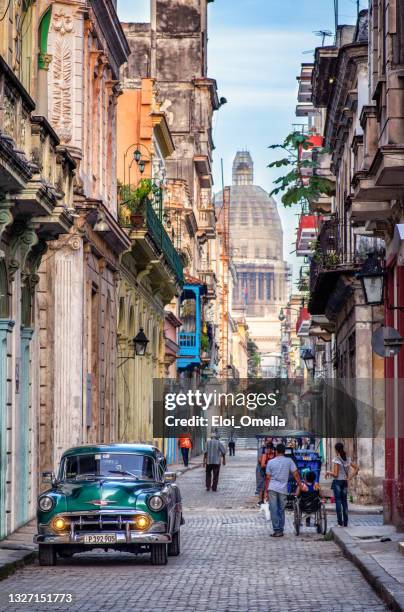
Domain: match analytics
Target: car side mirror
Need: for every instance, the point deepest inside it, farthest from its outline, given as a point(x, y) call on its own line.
point(170, 477)
point(48, 478)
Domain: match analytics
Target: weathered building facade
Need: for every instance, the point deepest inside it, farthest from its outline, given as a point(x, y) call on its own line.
point(342, 324)
point(172, 50)
point(83, 49)
point(378, 198)
point(151, 271)
point(36, 188)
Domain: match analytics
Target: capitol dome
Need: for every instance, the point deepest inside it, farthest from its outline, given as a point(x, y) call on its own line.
point(255, 226)
point(256, 239)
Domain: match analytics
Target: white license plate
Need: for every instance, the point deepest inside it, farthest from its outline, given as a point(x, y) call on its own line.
point(100, 538)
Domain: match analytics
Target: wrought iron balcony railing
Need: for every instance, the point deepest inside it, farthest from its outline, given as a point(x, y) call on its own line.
point(163, 242)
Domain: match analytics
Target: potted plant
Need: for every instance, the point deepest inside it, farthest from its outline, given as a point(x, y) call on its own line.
point(204, 344)
point(134, 200)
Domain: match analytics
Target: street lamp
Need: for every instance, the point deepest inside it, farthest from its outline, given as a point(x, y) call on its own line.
point(372, 279)
point(137, 156)
point(281, 315)
point(309, 359)
point(140, 342)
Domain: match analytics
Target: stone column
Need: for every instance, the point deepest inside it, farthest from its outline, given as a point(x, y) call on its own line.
point(5, 329)
point(68, 398)
point(22, 432)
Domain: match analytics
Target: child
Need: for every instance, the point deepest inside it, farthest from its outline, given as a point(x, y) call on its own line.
point(309, 492)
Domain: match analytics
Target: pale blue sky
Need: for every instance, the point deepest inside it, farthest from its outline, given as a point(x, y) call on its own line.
point(255, 50)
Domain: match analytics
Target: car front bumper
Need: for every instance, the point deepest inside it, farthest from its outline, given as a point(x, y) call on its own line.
point(121, 538)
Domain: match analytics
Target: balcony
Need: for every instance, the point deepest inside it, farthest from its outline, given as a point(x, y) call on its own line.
point(153, 250)
point(189, 337)
point(207, 222)
point(36, 174)
point(306, 234)
point(208, 277)
point(204, 170)
point(333, 268)
point(303, 323)
point(15, 145)
point(380, 177)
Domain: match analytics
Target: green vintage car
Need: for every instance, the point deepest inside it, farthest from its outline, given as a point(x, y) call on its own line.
point(115, 496)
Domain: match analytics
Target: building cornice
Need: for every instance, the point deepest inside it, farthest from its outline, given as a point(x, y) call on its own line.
point(162, 132)
point(106, 15)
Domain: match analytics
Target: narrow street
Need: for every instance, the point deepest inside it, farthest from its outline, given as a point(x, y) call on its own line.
point(228, 563)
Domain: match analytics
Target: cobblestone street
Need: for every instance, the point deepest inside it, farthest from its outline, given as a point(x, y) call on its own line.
point(228, 563)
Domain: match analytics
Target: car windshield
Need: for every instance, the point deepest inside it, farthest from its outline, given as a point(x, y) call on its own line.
point(107, 465)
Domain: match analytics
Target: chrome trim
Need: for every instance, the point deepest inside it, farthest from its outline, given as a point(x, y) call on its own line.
point(121, 538)
point(124, 521)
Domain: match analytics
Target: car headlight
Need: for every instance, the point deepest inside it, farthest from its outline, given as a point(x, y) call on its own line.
point(142, 521)
point(156, 502)
point(45, 503)
point(59, 524)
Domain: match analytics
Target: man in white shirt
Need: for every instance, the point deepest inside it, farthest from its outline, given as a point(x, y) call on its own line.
point(277, 476)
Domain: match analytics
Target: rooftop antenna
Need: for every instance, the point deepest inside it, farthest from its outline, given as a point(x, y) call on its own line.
point(323, 35)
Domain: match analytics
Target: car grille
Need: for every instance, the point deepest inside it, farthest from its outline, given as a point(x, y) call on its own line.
point(100, 522)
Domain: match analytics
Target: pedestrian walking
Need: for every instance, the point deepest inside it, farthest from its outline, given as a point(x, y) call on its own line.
point(232, 444)
point(265, 457)
point(185, 445)
point(343, 471)
point(215, 454)
point(277, 476)
point(259, 472)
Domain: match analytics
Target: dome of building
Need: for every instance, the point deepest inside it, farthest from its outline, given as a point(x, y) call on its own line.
point(256, 241)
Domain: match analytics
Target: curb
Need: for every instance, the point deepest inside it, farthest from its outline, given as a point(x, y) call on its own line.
point(9, 568)
point(390, 591)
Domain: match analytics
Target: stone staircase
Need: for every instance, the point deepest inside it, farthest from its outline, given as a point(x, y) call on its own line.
point(241, 443)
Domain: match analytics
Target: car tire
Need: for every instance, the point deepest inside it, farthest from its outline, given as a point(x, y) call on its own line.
point(174, 548)
point(159, 554)
point(46, 554)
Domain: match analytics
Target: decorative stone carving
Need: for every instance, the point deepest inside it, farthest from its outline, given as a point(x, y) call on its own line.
point(9, 107)
point(24, 239)
point(62, 90)
point(62, 22)
point(6, 218)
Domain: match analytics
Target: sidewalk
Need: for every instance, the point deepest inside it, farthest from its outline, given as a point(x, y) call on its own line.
point(378, 553)
point(17, 549)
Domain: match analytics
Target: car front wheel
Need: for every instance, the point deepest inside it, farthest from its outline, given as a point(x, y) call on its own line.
point(159, 554)
point(46, 554)
point(174, 548)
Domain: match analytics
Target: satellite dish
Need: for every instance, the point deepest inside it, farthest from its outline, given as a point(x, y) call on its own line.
point(378, 338)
